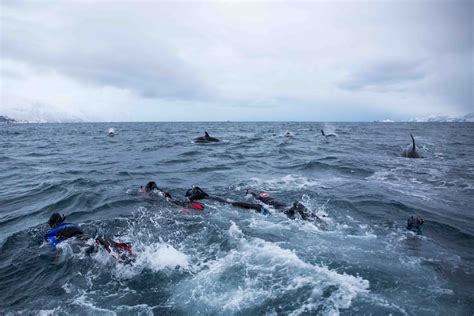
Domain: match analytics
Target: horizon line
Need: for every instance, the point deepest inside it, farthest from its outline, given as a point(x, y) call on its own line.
point(101, 122)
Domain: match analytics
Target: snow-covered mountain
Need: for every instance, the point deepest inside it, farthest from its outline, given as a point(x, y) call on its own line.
point(469, 117)
point(6, 119)
point(41, 113)
point(445, 118)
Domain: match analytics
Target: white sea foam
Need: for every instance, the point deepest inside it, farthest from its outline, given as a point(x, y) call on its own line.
point(47, 312)
point(67, 288)
point(141, 309)
point(258, 271)
point(290, 181)
point(155, 257)
point(263, 224)
point(159, 256)
point(88, 305)
point(381, 175)
point(380, 301)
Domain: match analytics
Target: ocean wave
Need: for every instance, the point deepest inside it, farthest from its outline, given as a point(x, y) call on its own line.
point(258, 272)
point(362, 260)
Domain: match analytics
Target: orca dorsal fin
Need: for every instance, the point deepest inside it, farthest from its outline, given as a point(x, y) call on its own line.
point(322, 132)
point(206, 134)
point(413, 140)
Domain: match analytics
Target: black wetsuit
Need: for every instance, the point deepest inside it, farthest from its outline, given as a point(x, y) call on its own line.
point(414, 224)
point(296, 209)
point(197, 193)
point(151, 187)
point(62, 231)
point(269, 201)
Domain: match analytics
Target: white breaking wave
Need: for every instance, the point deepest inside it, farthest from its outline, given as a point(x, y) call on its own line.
point(290, 181)
point(258, 271)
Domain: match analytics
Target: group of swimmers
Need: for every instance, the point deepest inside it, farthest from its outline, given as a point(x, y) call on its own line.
point(296, 210)
point(60, 230)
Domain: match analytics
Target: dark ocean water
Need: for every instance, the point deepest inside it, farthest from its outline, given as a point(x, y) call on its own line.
point(226, 260)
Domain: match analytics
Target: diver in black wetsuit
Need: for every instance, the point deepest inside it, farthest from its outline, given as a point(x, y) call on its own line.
point(414, 224)
point(152, 188)
point(296, 209)
point(196, 193)
point(61, 231)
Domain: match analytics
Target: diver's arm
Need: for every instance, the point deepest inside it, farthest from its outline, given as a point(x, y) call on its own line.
point(249, 206)
point(218, 199)
point(234, 203)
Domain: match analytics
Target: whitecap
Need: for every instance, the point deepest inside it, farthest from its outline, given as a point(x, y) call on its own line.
point(257, 271)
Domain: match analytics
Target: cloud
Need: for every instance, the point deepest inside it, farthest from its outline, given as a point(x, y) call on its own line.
point(384, 75)
point(203, 61)
point(92, 52)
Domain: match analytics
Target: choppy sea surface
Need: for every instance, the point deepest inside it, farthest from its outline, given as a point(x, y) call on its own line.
point(226, 260)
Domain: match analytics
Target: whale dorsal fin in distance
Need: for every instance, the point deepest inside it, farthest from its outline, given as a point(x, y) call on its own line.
point(206, 134)
point(322, 132)
point(413, 140)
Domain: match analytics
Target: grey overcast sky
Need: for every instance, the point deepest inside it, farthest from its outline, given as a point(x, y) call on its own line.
point(164, 61)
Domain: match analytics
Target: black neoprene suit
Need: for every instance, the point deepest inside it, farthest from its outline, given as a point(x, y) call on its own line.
point(296, 208)
point(269, 201)
point(68, 232)
point(249, 206)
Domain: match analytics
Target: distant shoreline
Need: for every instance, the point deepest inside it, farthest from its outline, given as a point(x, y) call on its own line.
point(469, 118)
point(212, 122)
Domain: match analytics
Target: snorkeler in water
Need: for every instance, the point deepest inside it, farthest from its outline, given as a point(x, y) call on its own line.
point(414, 224)
point(196, 193)
point(61, 231)
point(297, 209)
point(151, 187)
point(152, 190)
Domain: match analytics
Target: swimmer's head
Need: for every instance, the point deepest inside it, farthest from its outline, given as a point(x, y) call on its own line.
point(56, 219)
point(196, 193)
point(150, 186)
point(414, 223)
